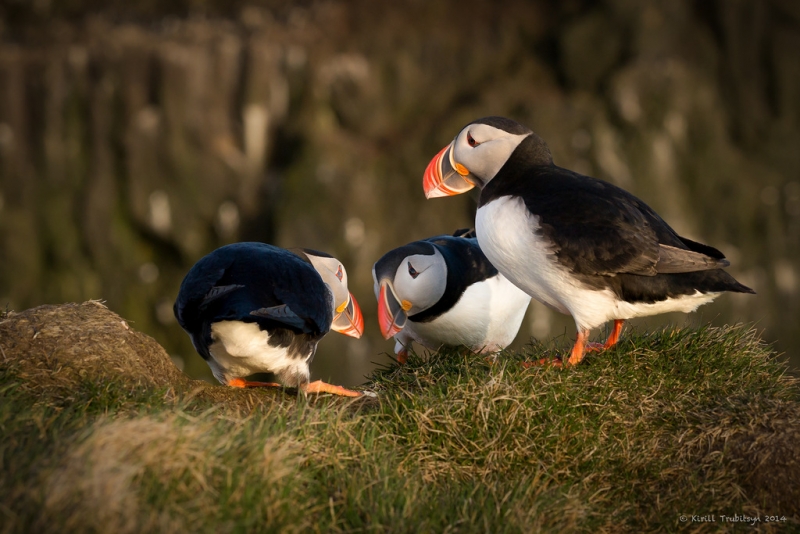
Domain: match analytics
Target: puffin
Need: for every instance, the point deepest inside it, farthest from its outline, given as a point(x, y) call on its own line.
point(443, 291)
point(578, 244)
point(256, 308)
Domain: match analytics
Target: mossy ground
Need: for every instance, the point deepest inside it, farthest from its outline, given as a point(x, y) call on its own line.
point(669, 423)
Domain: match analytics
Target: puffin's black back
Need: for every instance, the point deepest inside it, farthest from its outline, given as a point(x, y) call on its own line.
point(237, 279)
point(598, 230)
point(466, 265)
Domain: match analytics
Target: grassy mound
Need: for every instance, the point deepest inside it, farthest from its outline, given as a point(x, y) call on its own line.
point(671, 423)
point(56, 349)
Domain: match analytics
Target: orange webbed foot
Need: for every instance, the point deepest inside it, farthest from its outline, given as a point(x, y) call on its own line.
point(242, 383)
point(595, 347)
point(613, 337)
point(544, 362)
point(402, 357)
point(579, 349)
point(319, 386)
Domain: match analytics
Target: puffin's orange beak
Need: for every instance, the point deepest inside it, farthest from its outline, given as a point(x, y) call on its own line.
point(443, 177)
point(391, 314)
point(350, 321)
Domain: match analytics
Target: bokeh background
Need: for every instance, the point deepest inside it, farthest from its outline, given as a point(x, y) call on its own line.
point(137, 136)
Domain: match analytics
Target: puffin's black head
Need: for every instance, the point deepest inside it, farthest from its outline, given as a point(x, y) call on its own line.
point(408, 280)
point(478, 153)
point(502, 123)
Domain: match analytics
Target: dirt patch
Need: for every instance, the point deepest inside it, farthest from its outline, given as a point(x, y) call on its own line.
point(752, 443)
point(767, 456)
point(54, 348)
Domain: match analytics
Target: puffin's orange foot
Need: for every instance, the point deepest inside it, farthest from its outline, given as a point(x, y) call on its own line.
point(544, 362)
point(402, 357)
point(242, 383)
point(319, 386)
point(613, 337)
point(579, 349)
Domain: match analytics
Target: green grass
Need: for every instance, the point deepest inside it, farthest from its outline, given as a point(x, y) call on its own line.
point(668, 423)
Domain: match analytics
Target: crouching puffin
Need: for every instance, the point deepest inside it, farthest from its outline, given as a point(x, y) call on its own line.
point(443, 291)
point(578, 244)
point(253, 307)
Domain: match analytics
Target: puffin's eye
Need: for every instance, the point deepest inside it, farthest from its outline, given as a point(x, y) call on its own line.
point(413, 272)
point(340, 273)
point(472, 142)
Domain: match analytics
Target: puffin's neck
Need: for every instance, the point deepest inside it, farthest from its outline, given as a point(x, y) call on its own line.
point(531, 154)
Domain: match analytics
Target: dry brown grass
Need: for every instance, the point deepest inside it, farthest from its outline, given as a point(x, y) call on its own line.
point(98, 484)
point(55, 346)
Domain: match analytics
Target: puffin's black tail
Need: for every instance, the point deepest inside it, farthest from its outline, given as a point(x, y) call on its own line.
point(741, 288)
point(729, 281)
point(725, 282)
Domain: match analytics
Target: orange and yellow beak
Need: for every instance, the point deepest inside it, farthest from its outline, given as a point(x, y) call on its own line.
point(349, 320)
point(392, 314)
point(444, 177)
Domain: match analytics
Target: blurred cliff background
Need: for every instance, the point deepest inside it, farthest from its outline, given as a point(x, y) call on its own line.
point(137, 136)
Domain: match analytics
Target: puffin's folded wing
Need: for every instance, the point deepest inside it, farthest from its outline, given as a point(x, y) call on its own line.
point(307, 297)
point(281, 314)
point(592, 227)
point(676, 260)
point(217, 292)
point(606, 243)
point(197, 291)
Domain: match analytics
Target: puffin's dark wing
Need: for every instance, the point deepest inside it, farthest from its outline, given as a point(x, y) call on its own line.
point(274, 277)
point(199, 288)
point(241, 281)
point(677, 260)
point(466, 265)
point(218, 292)
point(282, 314)
point(596, 228)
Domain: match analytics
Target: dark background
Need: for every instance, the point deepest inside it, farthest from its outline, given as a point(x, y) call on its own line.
point(137, 136)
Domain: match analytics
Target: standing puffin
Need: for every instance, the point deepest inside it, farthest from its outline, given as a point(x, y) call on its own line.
point(443, 291)
point(579, 245)
point(252, 307)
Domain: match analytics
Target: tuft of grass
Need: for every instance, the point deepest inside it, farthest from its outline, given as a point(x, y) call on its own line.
point(668, 423)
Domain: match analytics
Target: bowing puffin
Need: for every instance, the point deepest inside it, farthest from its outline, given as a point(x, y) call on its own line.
point(253, 307)
point(443, 291)
point(578, 244)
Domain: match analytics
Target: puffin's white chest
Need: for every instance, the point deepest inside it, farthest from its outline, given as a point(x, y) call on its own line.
point(507, 234)
point(486, 318)
point(240, 349)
